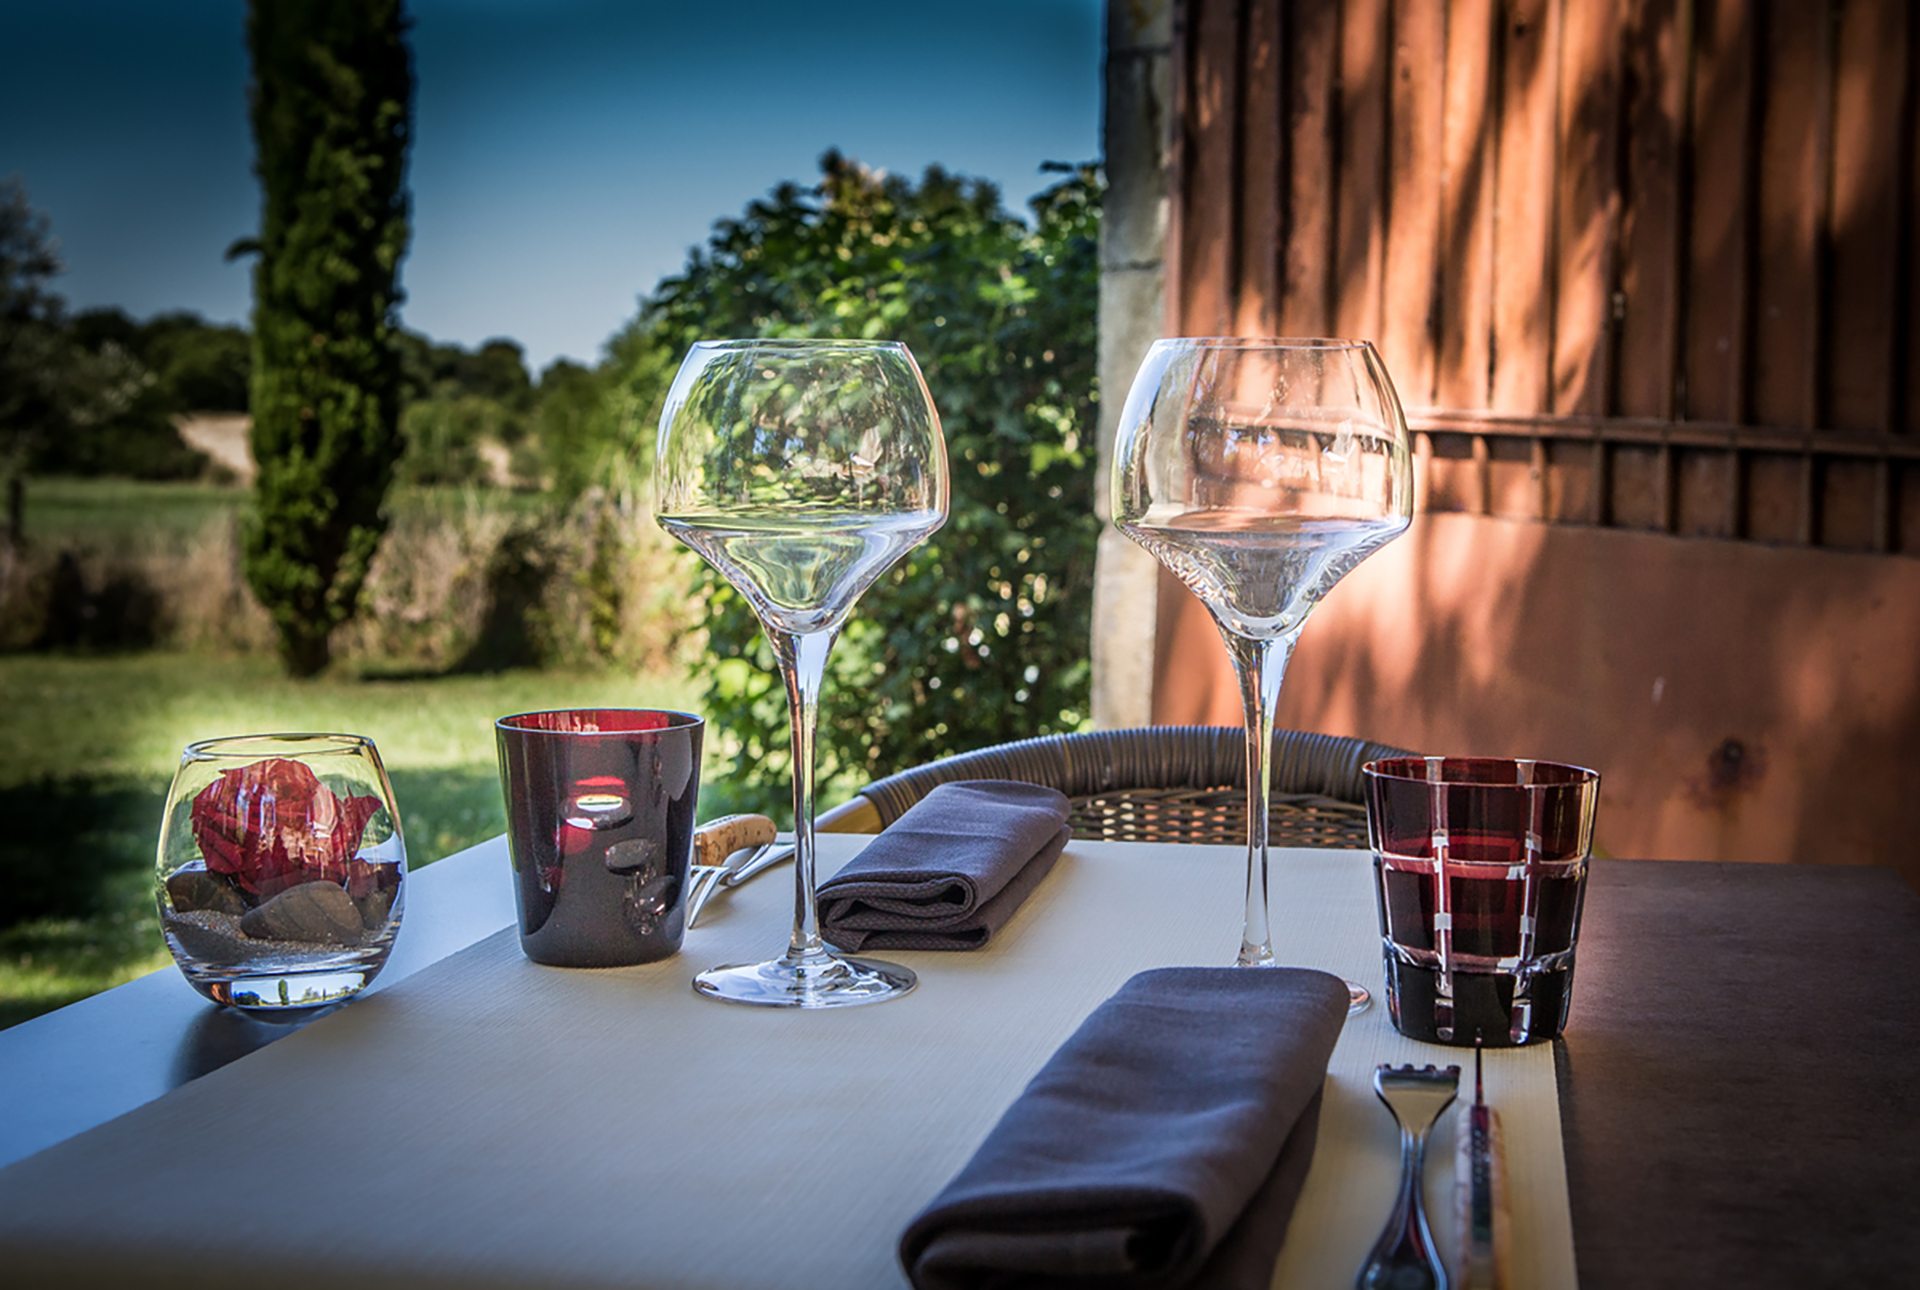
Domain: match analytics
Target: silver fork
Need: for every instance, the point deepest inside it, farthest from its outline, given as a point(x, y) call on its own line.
point(1404, 1258)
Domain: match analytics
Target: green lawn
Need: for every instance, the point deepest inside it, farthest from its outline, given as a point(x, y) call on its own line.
point(68, 510)
point(91, 511)
point(88, 745)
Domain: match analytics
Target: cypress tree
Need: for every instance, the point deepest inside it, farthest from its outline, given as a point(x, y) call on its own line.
point(332, 112)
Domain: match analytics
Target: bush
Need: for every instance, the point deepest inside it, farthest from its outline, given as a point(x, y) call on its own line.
point(444, 437)
point(123, 425)
point(981, 634)
point(472, 581)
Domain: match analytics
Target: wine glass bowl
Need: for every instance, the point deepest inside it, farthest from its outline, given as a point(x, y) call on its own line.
point(801, 470)
point(1260, 472)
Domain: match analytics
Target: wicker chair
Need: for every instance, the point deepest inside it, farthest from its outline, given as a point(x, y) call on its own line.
point(1156, 784)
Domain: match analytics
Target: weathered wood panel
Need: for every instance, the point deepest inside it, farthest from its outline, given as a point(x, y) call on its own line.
point(1789, 296)
point(1587, 208)
point(1408, 335)
point(1360, 226)
point(1652, 111)
point(1263, 204)
point(1623, 217)
point(1203, 272)
point(1466, 209)
point(1869, 90)
point(1311, 120)
point(1523, 278)
point(1720, 152)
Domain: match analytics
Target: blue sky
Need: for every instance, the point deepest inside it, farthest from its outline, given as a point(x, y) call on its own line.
point(566, 154)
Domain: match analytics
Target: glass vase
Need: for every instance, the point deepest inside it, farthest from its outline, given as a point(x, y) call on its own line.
point(281, 873)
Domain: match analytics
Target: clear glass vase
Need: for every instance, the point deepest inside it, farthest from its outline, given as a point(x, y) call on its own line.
point(281, 874)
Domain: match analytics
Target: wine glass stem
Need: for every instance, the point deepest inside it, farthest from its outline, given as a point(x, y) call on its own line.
point(803, 663)
point(1260, 665)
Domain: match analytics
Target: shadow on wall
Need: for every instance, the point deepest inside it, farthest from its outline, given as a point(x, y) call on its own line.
point(1743, 702)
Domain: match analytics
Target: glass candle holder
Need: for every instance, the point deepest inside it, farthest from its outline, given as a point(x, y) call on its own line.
point(281, 873)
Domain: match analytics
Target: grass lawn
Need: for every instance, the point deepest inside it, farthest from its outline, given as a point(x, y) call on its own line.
point(93, 511)
point(62, 510)
point(88, 746)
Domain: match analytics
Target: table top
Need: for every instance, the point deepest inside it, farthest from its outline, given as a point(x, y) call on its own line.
point(1737, 1088)
point(526, 1126)
point(1735, 1103)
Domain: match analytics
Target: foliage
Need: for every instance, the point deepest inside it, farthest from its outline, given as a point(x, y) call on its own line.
point(31, 352)
point(465, 406)
point(65, 404)
point(468, 580)
point(197, 366)
point(567, 427)
point(444, 436)
point(332, 116)
point(497, 370)
point(980, 635)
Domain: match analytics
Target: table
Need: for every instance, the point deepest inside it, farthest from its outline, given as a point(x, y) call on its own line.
point(1764, 1141)
point(1737, 1088)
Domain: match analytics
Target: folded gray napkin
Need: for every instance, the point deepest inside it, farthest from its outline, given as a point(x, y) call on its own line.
point(1163, 1145)
point(949, 872)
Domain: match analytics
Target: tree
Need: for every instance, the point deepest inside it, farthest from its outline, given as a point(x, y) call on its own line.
point(332, 117)
point(32, 350)
point(75, 395)
point(200, 366)
point(981, 634)
point(570, 397)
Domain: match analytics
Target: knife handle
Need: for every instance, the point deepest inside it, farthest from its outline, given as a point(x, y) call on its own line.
point(717, 839)
point(1480, 1195)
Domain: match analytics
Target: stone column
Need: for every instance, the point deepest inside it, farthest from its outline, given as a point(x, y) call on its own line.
point(1136, 141)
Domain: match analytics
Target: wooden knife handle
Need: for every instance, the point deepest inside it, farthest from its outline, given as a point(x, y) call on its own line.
point(717, 839)
point(1480, 1199)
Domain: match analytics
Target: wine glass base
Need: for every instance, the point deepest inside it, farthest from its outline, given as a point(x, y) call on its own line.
point(1358, 996)
point(819, 980)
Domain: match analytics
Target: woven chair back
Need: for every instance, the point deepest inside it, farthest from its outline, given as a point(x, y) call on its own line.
point(1170, 783)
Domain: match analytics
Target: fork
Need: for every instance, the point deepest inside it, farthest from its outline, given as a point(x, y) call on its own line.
point(1403, 1258)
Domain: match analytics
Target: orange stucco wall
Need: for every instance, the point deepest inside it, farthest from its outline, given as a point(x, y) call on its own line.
point(1742, 701)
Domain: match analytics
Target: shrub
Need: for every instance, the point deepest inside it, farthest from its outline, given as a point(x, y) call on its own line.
point(980, 635)
point(467, 580)
point(444, 437)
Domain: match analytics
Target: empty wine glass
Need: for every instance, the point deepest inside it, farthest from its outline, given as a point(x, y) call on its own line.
point(801, 470)
point(1259, 472)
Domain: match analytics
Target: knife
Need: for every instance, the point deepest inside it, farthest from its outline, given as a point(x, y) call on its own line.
point(1480, 1192)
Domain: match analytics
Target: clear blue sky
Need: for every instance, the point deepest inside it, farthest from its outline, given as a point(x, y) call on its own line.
point(566, 154)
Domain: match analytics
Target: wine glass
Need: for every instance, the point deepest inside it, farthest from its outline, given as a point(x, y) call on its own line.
point(801, 470)
point(1259, 472)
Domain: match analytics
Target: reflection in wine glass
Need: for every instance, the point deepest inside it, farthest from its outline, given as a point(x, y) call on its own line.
point(801, 470)
point(1259, 472)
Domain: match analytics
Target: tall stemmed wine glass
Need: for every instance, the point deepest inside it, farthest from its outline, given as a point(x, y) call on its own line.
point(801, 470)
point(1259, 472)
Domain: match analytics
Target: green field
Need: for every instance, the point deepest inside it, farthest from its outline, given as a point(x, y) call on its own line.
point(92, 511)
point(88, 745)
point(61, 511)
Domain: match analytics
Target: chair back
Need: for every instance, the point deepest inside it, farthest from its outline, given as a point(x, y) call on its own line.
point(1168, 783)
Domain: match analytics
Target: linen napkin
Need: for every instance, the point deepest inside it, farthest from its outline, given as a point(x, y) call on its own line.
point(1163, 1145)
point(950, 871)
